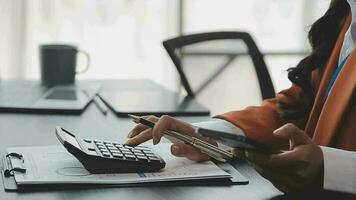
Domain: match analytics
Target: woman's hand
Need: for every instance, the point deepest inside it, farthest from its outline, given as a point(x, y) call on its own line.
point(298, 169)
point(142, 133)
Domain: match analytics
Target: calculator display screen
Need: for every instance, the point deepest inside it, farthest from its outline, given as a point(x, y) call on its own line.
point(70, 139)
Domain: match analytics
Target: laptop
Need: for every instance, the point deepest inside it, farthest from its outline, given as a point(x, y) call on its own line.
point(32, 97)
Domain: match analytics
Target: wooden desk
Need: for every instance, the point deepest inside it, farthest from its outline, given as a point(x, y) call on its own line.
point(38, 129)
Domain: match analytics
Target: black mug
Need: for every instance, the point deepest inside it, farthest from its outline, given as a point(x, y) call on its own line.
point(58, 64)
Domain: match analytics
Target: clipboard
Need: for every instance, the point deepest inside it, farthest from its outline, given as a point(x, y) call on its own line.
point(13, 162)
point(10, 184)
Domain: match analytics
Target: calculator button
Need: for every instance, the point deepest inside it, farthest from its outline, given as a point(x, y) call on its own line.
point(115, 151)
point(112, 148)
point(118, 145)
point(117, 155)
point(136, 151)
point(91, 149)
point(92, 153)
point(126, 151)
point(87, 140)
point(142, 157)
point(139, 154)
point(106, 154)
point(150, 154)
point(153, 158)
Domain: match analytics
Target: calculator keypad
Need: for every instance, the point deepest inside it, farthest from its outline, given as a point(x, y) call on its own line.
point(124, 152)
point(105, 157)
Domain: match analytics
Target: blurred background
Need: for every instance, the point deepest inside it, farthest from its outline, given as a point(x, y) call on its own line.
point(124, 40)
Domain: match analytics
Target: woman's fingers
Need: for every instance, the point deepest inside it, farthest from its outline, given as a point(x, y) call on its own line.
point(291, 170)
point(296, 158)
point(142, 133)
point(141, 127)
point(298, 154)
point(137, 130)
point(293, 134)
point(177, 149)
point(188, 151)
point(140, 138)
point(170, 123)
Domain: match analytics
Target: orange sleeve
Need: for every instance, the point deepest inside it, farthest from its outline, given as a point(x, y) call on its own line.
point(259, 122)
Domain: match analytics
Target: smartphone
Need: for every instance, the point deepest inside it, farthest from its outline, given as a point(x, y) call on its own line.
point(234, 140)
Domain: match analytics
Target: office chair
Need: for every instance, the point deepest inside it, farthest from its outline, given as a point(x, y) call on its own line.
point(174, 49)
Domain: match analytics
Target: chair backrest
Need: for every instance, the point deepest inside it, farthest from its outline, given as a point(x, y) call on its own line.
point(173, 45)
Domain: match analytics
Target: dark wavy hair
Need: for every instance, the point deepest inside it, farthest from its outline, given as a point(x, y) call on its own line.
point(322, 38)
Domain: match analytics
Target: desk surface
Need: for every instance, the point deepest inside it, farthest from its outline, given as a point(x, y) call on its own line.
point(38, 129)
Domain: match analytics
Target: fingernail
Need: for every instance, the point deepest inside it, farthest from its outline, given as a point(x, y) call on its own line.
point(129, 135)
point(128, 141)
point(156, 140)
point(175, 149)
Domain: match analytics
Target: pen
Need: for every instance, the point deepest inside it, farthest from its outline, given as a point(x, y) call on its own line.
point(101, 105)
point(205, 147)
